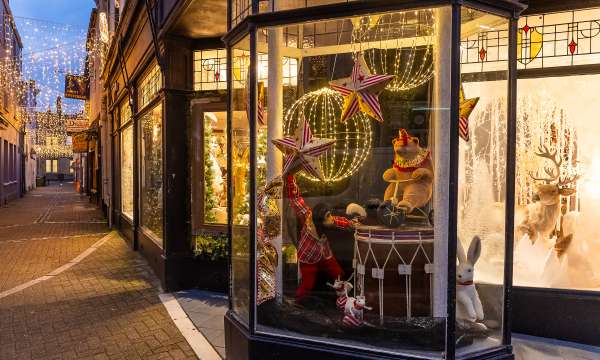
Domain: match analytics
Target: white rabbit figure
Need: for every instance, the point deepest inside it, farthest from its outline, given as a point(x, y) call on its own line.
point(468, 305)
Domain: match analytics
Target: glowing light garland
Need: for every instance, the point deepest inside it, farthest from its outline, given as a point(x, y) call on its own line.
point(33, 78)
point(50, 51)
point(404, 46)
point(50, 136)
point(322, 108)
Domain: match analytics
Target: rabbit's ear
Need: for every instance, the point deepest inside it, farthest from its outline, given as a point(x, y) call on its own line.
point(474, 250)
point(460, 252)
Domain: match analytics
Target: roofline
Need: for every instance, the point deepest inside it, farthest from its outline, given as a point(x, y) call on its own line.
point(91, 26)
point(15, 30)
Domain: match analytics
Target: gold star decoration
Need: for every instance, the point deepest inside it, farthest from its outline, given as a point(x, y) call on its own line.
point(361, 91)
point(466, 108)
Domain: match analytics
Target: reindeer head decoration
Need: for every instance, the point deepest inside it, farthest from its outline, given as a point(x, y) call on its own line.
point(554, 185)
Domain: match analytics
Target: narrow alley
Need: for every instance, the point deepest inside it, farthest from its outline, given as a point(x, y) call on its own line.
point(71, 289)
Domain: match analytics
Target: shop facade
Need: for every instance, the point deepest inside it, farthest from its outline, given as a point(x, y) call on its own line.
point(556, 276)
point(201, 168)
point(358, 172)
point(157, 106)
point(12, 144)
point(543, 125)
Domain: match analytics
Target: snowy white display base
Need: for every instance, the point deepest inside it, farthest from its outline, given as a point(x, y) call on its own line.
point(538, 265)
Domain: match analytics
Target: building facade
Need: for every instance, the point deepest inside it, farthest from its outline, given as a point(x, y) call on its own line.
point(184, 164)
point(152, 108)
point(12, 156)
point(54, 152)
point(90, 161)
point(29, 102)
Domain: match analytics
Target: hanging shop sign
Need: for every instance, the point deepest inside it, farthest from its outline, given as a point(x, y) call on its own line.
point(76, 124)
point(77, 87)
point(80, 143)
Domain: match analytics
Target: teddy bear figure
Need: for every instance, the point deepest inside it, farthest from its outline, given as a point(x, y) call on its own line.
point(411, 176)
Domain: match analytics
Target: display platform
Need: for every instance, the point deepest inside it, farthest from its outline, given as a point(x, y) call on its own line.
point(290, 346)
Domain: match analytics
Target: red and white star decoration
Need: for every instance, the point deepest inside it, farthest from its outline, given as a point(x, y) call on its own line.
point(361, 91)
point(260, 95)
point(302, 151)
point(466, 108)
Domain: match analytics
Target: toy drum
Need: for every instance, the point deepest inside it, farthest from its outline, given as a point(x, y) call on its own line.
point(393, 270)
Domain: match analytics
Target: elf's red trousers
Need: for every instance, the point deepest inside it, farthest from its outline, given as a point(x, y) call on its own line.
point(309, 273)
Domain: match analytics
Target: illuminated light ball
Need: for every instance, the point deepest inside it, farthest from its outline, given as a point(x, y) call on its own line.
point(399, 44)
point(323, 109)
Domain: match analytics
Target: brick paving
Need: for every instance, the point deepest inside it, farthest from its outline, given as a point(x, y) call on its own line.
point(105, 307)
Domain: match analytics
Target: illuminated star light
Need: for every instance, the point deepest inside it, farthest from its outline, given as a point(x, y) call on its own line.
point(361, 91)
point(302, 151)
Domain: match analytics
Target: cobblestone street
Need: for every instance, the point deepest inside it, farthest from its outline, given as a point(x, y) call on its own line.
point(71, 289)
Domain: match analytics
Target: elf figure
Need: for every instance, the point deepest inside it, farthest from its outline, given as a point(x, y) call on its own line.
point(314, 253)
point(302, 151)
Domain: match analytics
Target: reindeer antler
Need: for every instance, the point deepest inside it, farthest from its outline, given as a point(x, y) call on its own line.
point(553, 173)
point(563, 182)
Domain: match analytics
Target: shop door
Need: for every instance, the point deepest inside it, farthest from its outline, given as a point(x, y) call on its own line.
point(209, 169)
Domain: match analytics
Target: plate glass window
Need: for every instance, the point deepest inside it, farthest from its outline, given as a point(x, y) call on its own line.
point(127, 151)
point(149, 86)
point(482, 177)
point(210, 69)
point(349, 146)
point(151, 125)
point(240, 181)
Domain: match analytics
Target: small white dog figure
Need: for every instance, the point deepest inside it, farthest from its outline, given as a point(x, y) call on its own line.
point(341, 288)
point(354, 311)
point(468, 305)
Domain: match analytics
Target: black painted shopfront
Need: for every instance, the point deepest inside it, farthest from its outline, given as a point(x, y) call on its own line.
point(355, 138)
point(157, 107)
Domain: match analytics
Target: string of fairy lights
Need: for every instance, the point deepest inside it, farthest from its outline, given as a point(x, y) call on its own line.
point(33, 77)
point(399, 44)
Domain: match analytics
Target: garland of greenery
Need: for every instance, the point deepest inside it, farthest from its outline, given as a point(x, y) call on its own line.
point(211, 246)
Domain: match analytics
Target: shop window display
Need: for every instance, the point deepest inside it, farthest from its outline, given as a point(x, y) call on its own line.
point(240, 181)
point(557, 184)
point(152, 173)
point(215, 168)
point(351, 179)
point(482, 182)
point(556, 174)
point(126, 162)
point(127, 171)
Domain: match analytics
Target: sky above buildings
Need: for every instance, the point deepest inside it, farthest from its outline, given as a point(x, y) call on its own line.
point(72, 12)
point(54, 37)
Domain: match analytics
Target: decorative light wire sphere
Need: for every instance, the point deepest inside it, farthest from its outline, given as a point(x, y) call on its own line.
point(323, 108)
point(399, 44)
